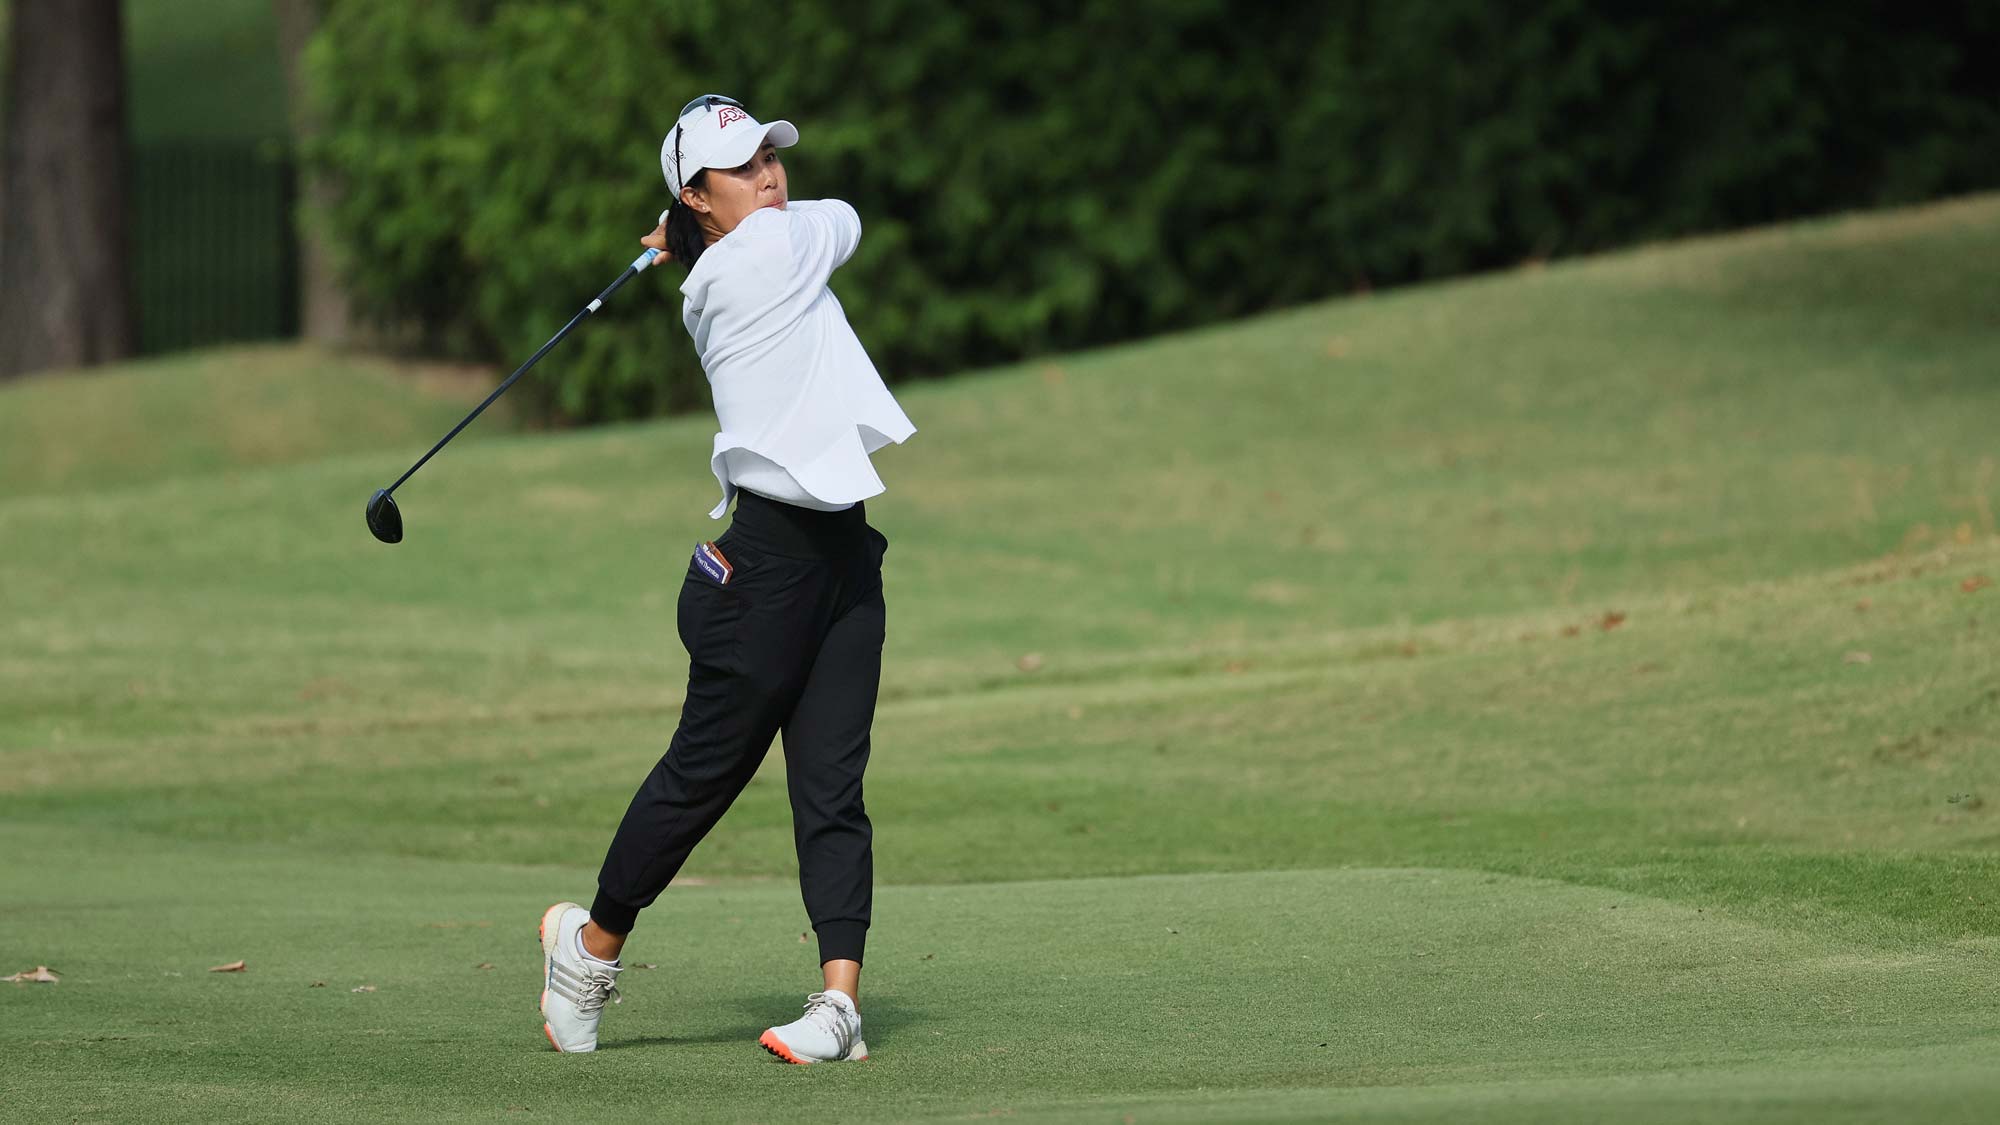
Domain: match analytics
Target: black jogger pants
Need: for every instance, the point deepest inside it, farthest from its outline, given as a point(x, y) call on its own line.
point(792, 642)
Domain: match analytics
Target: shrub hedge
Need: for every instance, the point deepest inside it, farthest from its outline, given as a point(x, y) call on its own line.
point(1039, 175)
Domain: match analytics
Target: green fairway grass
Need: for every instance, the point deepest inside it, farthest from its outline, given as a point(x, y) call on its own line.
point(1554, 696)
point(1276, 994)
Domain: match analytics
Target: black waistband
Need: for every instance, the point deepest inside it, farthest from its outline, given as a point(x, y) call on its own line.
point(787, 529)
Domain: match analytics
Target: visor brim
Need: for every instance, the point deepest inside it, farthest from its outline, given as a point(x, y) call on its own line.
point(738, 152)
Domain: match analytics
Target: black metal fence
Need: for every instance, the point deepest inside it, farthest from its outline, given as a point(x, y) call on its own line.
point(215, 256)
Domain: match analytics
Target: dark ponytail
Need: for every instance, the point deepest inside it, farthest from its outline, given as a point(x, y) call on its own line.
point(684, 238)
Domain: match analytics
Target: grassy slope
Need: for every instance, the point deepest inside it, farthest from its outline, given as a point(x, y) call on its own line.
point(1319, 590)
point(225, 411)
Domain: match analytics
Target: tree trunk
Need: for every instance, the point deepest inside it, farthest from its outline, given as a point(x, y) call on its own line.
point(65, 299)
point(324, 317)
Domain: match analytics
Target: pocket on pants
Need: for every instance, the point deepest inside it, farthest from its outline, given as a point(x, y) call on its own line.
point(741, 561)
point(706, 617)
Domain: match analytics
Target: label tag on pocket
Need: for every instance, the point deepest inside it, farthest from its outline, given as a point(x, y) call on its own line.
point(713, 564)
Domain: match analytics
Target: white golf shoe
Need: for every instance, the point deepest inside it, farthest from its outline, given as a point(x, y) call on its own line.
point(574, 986)
point(830, 1031)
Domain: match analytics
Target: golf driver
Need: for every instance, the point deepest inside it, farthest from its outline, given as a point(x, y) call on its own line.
point(384, 518)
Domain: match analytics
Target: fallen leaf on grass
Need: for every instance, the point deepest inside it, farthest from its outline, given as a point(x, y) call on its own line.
point(317, 984)
point(1611, 620)
point(1976, 582)
point(643, 965)
point(1571, 630)
point(232, 967)
point(41, 974)
point(1856, 657)
point(484, 965)
point(362, 988)
point(802, 938)
point(1029, 662)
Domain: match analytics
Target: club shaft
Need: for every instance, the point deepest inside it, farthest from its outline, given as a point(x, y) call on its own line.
point(630, 272)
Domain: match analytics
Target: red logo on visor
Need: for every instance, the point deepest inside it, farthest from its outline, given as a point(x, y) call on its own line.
point(730, 115)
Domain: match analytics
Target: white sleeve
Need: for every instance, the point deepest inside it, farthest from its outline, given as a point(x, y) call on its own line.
point(824, 235)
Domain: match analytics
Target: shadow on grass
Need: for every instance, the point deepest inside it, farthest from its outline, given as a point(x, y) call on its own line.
point(759, 1011)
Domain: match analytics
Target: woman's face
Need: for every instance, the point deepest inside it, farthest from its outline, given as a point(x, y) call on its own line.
point(729, 195)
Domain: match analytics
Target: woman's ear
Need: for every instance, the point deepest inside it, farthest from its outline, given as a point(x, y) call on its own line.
point(692, 196)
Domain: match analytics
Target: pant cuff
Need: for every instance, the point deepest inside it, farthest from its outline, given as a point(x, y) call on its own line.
point(841, 940)
point(611, 915)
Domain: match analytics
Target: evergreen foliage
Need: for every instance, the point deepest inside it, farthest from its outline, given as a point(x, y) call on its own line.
point(1035, 176)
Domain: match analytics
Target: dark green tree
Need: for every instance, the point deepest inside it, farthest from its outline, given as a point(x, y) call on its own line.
point(65, 298)
point(1038, 175)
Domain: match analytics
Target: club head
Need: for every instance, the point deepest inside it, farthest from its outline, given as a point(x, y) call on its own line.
point(384, 518)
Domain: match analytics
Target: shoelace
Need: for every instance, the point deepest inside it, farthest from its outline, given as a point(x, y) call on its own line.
point(597, 986)
point(833, 1018)
point(587, 989)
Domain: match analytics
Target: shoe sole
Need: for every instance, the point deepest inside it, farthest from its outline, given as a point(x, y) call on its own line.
point(770, 1042)
point(547, 933)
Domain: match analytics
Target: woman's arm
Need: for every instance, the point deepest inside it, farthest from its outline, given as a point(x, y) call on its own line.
point(824, 233)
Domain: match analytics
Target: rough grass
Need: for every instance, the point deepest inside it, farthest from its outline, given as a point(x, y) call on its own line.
point(1565, 694)
point(223, 411)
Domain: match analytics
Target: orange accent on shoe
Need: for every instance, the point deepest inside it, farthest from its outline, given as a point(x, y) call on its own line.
point(770, 1042)
point(541, 935)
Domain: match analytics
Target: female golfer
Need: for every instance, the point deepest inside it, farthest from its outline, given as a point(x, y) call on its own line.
point(782, 615)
